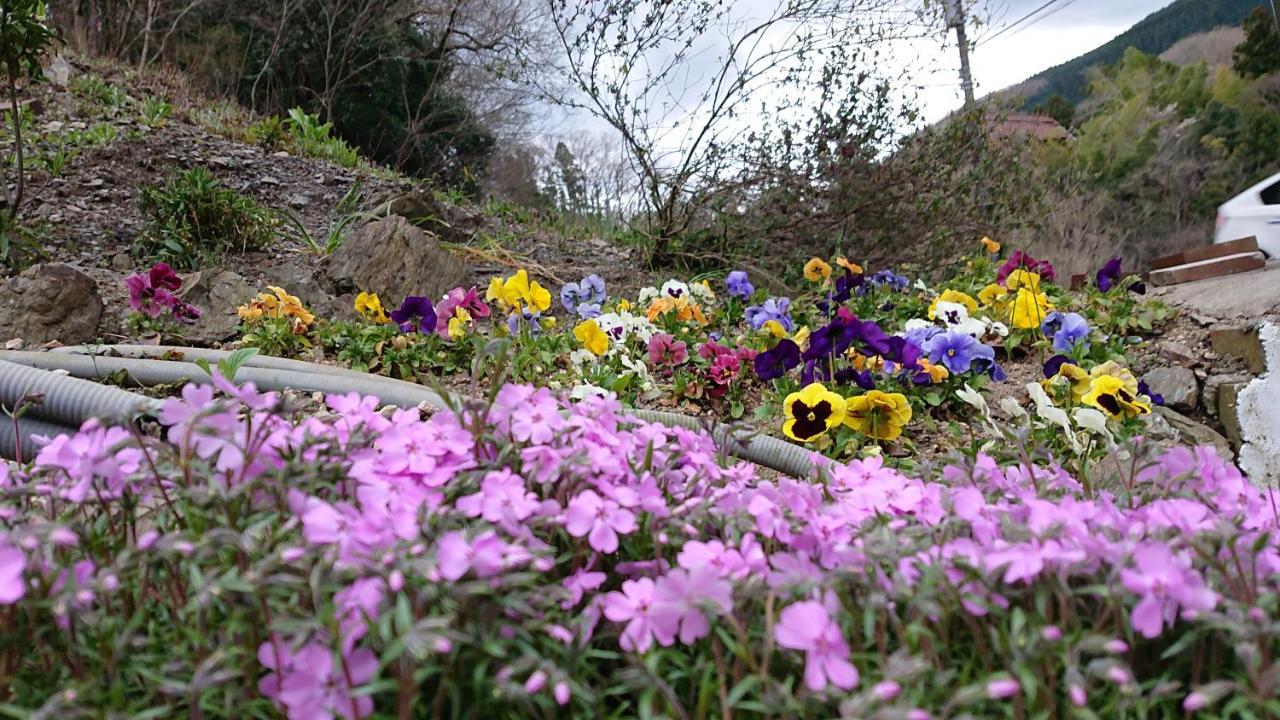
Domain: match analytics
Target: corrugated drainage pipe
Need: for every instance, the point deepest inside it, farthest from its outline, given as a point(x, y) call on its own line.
point(272, 373)
point(65, 399)
point(27, 428)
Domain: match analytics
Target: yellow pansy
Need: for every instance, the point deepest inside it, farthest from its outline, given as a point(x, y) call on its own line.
point(878, 414)
point(1072, 376)
point(993, 294)
point(811, 412)
point(816, 269)
point(852, 267)
point(1109, 394)
point(992, 246)
point(1023, 279)
point(277, 304)
point(953, 296)
point(370, 307)
point(1029, 308)
point(623, 305)
point(594, 339)
point(459, 324)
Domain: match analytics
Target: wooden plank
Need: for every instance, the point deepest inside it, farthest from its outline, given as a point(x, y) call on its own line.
point(1205, 269)
point(1208, 252)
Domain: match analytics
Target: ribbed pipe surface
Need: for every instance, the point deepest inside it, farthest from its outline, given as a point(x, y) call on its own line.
point(27, 428)
point(65, 399)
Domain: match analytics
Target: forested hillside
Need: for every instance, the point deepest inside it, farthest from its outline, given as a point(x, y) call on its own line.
point(1153, 35)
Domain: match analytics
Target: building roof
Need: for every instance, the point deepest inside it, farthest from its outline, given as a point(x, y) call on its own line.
point(1041, 127)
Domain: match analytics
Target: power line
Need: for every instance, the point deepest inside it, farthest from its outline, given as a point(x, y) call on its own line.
point(1024, 18)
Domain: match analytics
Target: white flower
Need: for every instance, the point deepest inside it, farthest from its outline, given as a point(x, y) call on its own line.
point(647, 295)
point(614, 325)
point(702, 292)
point(638, 367)
point(675, 289)
point(1012, 408)
point(1093, 420)
point(581, 358)
point(915, 324)
point(920, 285)
point(1052, 414)
point(997, 328)
point(974, 398)
point(587, 390)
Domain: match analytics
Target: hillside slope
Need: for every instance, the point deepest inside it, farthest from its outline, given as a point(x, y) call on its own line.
point(1152, 35)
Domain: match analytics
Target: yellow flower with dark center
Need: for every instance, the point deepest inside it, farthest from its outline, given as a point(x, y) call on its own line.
point(1023, 279)
point(811, 412)
point(623, 305)
point(1109, 394)
point(816, 270)
point(852, 267)
point(1071, 376)
point(594, 339)
point(370, 307)
point(991, 246)
point(878, 414)
point(953, 296)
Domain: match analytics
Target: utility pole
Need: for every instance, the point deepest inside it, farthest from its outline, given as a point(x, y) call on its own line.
point(955, 19)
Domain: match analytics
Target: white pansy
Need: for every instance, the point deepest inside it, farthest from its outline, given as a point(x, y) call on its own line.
point(581, 358)
point(1052, 414)
point(648, 295)
point(997, 328)
point(1012, 408)
point(1093, 420)
point(675, 289)
point(920, 285)
point(587, 390)
point(702, 293)
point(916, 324)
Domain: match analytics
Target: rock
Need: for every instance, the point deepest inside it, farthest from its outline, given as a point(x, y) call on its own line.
point(1212, 387)
point(394, 258)
point(1227, 407)
point(1176, 384)
point(268, 180)
point(217, 292)
point(122, 262)
point(48, 302)
point(308, 285)
point(1176, 352)
point(1169, 425)
point(1240, 342)
point(299, 201)
point(59, 72)
point(1258, 412)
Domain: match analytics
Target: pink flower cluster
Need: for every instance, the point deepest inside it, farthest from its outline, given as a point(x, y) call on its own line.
point(526, 531)
point(152, 294)
point(726, 363)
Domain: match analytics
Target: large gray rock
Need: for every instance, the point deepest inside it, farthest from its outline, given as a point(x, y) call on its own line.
point(218, 293)
point(1176, 352)
point(48, 302)
point(1176, 384)
point(394, 258)
point(1168, 426)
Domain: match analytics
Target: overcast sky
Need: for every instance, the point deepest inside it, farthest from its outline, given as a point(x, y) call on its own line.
point(1064, 30)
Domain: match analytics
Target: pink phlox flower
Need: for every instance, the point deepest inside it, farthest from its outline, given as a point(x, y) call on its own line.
point(727, 562)
point(485, 556)
point(807, 627)
point(579, 584)
point(12, 564)
point(1163, 582)
point(94, 458)
point(600, 520)
point(357, 606)
point(503, 499)
point(793, 570)
point(315, 688)
point(539, 420)
point(636, 606)
point(681, 597)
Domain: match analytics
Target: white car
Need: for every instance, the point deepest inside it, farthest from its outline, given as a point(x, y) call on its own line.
point(1254, 212)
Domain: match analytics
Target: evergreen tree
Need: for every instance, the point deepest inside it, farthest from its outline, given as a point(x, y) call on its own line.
point(1259, 54)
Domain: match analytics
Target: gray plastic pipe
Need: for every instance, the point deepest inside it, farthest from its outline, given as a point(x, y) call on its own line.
point(272, 373)
point(65, 399)
point(28, 427)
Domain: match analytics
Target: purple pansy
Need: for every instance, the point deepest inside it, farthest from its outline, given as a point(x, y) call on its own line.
point(738, 285)
point(585, 297)
point(415, 314)
point(1109, 274)
point(775, 308)
point(776, 361)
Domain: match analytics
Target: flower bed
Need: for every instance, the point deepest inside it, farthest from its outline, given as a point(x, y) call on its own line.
point(855, 363)
point(527, 557)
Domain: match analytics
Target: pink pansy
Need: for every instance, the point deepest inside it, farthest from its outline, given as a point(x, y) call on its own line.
point(806, 626)
point(646, 618)
point(665, 350)
point(599, 520)
point(1163, 582)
